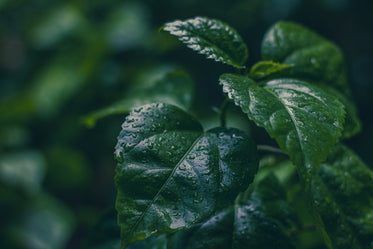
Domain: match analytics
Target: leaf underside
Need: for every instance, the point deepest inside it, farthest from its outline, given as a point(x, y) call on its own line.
point(305, 121)
point(212, 38)
point(172, 175)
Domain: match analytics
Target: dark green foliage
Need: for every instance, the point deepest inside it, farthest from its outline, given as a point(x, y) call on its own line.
point(182, 184)
point(343, 196)
point(213, 38)
point(305, 121)
point(313, 58)
point(255, 221)
point(171, 174)
point(66, 65)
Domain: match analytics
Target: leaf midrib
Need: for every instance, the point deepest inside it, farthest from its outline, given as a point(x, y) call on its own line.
point(290, 114)
point(167, 180)
point(231, 60)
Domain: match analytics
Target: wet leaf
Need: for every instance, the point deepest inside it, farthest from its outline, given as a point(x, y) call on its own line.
point(343, 198)
point(168, 86)
point(352, 124)
point(255, 221)
point(212, 38)
point(172, 175)
point(263, 69)
point(313, 58)
point(305, 121)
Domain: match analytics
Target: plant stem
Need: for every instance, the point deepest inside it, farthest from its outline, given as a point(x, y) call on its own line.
point(222, 112)
point(270, 149)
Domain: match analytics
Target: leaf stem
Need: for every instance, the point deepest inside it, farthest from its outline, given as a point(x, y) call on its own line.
point(270, 149)
point(222, 112)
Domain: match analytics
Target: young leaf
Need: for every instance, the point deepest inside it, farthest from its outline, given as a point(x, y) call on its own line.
point(172, 175)
point(305, 121)
point(343, 197)
point(211, 37)
point(159, 242)
point(263, 69)
point(311, 55)
point(169, 86)
point(313, 58)
point(253, 222)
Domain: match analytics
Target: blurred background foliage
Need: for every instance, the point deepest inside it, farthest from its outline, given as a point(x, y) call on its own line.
point(65, 65)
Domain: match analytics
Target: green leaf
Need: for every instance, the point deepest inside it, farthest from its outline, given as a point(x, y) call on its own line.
point(263, 69)
point(352, 124)
point(212, 38)
point(343, 198)
point(313, 58)
point(311, 55)
point(159, 242)
point(253, 222)
point(172, 175)
point(305, 121)
point(162, 84)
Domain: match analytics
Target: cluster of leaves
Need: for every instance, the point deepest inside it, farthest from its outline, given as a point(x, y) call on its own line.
point(182, 187)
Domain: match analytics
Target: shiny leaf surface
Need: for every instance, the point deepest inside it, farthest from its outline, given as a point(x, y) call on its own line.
point(172, 175)
point(255, 221)
point(343, 197)
point(352, 124)
point(305, 121)
point(313, 58)
point(212, 38)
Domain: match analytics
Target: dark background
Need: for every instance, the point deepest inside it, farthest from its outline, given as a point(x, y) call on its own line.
point(60, 60)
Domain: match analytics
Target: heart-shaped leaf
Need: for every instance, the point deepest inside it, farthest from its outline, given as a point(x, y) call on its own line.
point(313, 58)
point(172, 175)
point(211, 37)
point(343, 198)
point(305, 121)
